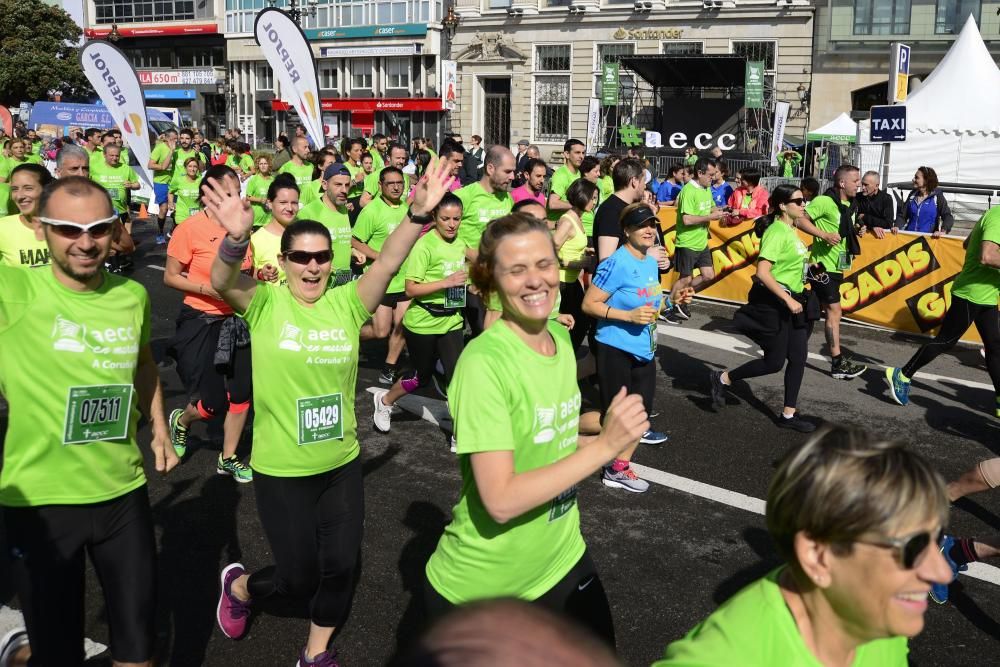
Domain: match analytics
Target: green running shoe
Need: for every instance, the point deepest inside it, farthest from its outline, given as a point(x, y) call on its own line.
point(178, 433)
point(239, 471)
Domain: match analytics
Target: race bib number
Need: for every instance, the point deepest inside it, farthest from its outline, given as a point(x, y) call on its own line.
point(562, 504)
point(114, 193)
point(454, 297)
point(98, 412)
point(342, 277)
point(320, 418)
point(192, 211)
point(843, 262)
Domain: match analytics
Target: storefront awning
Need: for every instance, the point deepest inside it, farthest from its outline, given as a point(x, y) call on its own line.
point(370, 104)
point(694, 71)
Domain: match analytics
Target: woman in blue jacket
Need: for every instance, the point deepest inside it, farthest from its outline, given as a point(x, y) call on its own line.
point(925, 209)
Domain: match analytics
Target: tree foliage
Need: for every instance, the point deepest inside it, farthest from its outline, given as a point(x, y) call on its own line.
point(38, 53)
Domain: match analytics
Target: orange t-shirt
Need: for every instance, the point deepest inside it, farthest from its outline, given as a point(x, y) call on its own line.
point(195, 244)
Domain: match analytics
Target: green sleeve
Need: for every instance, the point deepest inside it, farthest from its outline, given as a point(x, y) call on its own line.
point(259, 307)
point(772, 247)
point(347, 295)
point(991, 226)
point(417, 262)
point(174, 186)
point(478, 399)
point(372, 183)
point(363, 227)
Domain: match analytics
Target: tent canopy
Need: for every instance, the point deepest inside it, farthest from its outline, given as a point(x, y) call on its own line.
point(962, 94)
point(841, 128)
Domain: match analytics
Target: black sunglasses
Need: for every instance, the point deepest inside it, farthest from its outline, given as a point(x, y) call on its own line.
point(304, 257)
point(798, 201)
point(651, 223)
point(909, 550)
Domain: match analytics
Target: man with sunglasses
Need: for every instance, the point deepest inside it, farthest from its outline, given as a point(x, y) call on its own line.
point(375, 223)
point(72, 478)
point(331, 211)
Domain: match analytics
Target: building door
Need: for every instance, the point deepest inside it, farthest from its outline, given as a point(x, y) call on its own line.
point(496, 112)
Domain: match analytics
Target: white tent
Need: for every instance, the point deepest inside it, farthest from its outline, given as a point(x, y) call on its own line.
point(953, 121)
point(841, 129)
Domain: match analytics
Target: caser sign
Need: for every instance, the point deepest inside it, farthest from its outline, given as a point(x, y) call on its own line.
point(702, 141)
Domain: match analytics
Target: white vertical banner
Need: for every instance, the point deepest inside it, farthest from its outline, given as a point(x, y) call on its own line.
point(288, 53)
point(593, 126)
point(781, 110)
point(111, 74)
point(449, 84)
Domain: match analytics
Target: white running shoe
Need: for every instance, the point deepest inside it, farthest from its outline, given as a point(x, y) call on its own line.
point(382, 417)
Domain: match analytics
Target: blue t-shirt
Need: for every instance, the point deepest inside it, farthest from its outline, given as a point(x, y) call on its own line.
point(631, 283)
point(721, 193)
point(668, 191)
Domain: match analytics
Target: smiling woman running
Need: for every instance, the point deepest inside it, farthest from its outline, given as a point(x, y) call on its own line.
point(305, 365)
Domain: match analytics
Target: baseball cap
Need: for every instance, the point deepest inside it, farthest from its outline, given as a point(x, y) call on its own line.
point(524, 142)
point(336, 169)
point(638, 216)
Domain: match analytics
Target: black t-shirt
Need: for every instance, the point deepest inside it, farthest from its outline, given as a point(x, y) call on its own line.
point(607, 219)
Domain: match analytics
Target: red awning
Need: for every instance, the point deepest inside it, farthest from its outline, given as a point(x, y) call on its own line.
point(157, 31)
point(370, 104)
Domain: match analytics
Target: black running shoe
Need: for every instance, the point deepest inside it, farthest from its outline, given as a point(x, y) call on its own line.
point(796, 423)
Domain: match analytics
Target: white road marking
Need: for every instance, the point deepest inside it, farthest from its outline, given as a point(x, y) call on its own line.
point(436, 412)
point(736, 345)
point(156, 267)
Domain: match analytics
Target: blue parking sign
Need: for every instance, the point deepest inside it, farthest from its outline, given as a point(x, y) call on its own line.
point(888, 124)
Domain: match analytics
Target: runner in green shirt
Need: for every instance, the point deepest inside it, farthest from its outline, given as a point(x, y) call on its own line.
point(118, 179)
point(574, 151)
point(435, 278)
point(77, 370)
point(256, 191)
point(185, 149)
point(282, 198)
point(19, 244)
point(974, 295)
point(305, 364)
point(695, 212)
point(379, 150)
point(398, 158)
point(20, 153)
point(375, 223)
point(331, 211)
point(35, 143)
point(299, 166)
point(515, 402)
point(314, 189)
point(825, 219)
point(161, 161)
point(777, 293)
point(184, 189)
point(354, 149)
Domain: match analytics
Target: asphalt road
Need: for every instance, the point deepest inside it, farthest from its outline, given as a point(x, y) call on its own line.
point(667, 557)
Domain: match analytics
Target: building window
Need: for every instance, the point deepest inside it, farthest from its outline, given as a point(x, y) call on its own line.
point(155, 57)
point(200, 56)
point(143, 11)
point(882, 17)
point(951, 15)
point(552, 92)
point(498, 4)
point(397, 72)
point(327, 74)
point(765, 51)
point(674, 48)
point(361, 73)
point(265, 77)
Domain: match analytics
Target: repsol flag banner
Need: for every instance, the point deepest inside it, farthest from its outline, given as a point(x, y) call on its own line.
point(111, 74)
point(901, 282)
point(288, 53)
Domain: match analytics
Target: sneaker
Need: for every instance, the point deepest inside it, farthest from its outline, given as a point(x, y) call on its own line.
point(388, 376)
point(672, 318)
point(844, 369)
point(327, 658)
point(796, 423)
point(653, 415)
point(939, 592)
point(160, 239)
point(240, 471)
point(439, 385)
point(898, 387)
point(11, 643)
point(718, 389)
point(653, 438)
point(454, 445)
point(382, 416)
point(178, 433)
point(681, 310)
point(232, 612)
point(623, 479)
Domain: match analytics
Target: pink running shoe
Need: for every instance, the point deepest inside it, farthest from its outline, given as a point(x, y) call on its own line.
point(232, 613)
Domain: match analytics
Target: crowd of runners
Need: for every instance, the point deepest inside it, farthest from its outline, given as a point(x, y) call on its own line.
point(498, 286)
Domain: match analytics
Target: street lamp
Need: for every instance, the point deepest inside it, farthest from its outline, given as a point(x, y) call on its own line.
point(294, 10)
point(450, 22)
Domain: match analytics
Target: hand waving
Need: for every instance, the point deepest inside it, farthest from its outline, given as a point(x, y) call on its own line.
point(222, 202)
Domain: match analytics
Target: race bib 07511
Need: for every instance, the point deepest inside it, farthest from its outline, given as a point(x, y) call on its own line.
point(97, 412)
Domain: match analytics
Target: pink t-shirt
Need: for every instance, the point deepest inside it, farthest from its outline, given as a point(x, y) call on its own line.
point(524, 192)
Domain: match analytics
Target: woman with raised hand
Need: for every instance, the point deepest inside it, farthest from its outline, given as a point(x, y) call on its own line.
point(306, 466)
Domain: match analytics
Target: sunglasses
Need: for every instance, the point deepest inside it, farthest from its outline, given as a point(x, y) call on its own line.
point(73, 230)
point(798, 201)
point(909, 550)
point(652, 223)
point(304, 257)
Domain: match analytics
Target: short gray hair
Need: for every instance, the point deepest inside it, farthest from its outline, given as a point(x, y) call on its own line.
point(70, 151)
point(872, 173)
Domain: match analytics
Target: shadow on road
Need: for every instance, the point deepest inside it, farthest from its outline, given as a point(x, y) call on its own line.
point(427, 522)
point(758, 540)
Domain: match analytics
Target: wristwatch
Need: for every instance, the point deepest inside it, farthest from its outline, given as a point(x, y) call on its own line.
point(421, 219)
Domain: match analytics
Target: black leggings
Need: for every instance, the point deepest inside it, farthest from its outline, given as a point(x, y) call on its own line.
point(49, 542)
point(579, 595)
point(194, 346)
point(790, 344)
point(314, 526)
point(572, 304)
point(475, 313)
point(425, 349)
point(960, 316)
point(617, 369)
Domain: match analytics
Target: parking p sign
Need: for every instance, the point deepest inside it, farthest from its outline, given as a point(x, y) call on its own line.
point(888, 124)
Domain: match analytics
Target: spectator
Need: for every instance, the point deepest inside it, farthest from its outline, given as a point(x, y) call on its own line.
point(469, 173)
point(521, 161)
point(857, 520)
point(478, 151)
point(875, 206)
point(925, 209)
point(690, 156)
point(721, 190)
point(809, 188)
point(605, 183)
point(788, 163)
point(749, 200)
point(671, 185)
